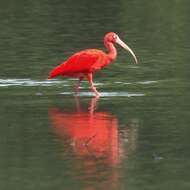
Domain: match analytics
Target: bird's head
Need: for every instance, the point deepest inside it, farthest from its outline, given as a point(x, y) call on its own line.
point(112, 37)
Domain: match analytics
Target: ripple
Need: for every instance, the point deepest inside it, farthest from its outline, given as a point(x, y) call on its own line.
point(118, 82)
point(139, 82)
point(106, 94)
point(53, 82)
point(147, 82)
point(29, 82)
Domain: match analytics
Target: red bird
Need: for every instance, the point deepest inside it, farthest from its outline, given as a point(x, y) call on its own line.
point(86, 62)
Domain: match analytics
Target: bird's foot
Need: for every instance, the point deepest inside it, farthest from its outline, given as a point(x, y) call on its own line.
point(95, 91)
point(97, 94)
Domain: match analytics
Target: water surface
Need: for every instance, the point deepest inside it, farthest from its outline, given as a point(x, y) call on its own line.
point(135, 136)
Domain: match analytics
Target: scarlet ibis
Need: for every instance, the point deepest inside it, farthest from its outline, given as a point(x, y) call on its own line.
point(85, 63)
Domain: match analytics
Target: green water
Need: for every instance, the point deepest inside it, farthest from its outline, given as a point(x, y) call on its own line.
point(137, 137)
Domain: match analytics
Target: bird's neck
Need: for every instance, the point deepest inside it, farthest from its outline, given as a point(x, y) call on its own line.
point(112, 52)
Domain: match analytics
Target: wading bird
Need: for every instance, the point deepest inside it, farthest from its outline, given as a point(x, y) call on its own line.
point(86, 62)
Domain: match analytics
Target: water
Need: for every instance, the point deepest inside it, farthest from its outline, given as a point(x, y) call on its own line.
point(135, 136)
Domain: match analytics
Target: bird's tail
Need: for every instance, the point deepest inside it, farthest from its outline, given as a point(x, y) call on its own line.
point(56, 71)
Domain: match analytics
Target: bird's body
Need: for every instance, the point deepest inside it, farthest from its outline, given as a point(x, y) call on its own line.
point(81, 63)
point(85, 63)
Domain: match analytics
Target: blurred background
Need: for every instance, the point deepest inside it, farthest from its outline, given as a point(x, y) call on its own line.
point(136, 136)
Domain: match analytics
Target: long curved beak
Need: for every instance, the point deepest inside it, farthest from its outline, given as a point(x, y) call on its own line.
point(125, 46)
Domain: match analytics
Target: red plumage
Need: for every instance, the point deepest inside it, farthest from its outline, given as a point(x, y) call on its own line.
point(85, 61)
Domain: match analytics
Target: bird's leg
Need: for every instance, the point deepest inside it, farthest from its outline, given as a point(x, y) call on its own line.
point(78, 84)
point(93, 105)
point(93, 88)
point(78, 106)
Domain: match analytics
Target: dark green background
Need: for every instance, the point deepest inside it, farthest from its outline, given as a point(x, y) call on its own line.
point(35, 36)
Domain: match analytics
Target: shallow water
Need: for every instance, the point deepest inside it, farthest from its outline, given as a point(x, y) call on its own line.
point(135, 136)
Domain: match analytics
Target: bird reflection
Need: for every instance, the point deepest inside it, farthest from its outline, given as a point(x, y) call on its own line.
point(92, 139)
point(91, 134)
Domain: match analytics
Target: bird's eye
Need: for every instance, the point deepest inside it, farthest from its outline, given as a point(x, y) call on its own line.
point(114, 37)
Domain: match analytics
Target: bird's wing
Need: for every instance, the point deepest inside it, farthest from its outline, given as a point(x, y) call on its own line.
point(81, 62)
